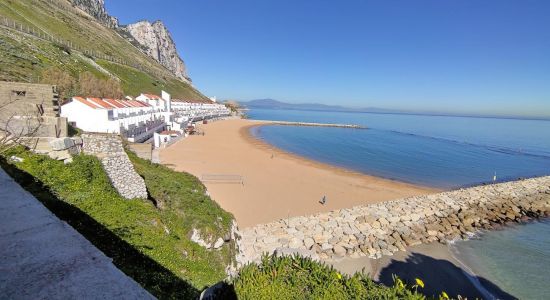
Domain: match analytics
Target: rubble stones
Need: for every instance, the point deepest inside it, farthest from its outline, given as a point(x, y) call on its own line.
point(387, 227)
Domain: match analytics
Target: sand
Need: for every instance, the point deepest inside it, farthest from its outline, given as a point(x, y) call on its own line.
point(435, 264)
point(276, 184)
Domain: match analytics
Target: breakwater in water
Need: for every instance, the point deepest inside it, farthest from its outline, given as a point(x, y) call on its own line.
point(387, 227)
point(335, 125)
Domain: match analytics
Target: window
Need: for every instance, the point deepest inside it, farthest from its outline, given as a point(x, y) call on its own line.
point(19, 93)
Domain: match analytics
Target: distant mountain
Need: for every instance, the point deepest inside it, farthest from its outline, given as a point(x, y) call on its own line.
point(275, 104)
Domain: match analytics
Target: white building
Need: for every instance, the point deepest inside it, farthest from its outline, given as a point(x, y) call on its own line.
point(135, 120)
point(138, 120)
point(195, 110)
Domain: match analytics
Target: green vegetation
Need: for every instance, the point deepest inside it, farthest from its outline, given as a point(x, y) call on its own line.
point(137, 82)
point(24, 57)
point(302, 278)
point(184, 195)
point(149, 244)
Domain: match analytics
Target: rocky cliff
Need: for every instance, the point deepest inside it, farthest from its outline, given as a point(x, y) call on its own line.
point(154, 38)
point(96, 9)
point(158, 44)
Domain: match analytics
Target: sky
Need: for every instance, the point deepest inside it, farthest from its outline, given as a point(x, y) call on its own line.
point(461, 56)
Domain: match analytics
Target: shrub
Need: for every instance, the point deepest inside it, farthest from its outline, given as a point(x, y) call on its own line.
point(295, 277)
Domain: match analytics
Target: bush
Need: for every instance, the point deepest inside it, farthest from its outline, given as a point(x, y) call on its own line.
point(295, 277)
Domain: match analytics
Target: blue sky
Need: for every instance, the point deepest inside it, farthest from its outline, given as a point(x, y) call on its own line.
point(467, 56)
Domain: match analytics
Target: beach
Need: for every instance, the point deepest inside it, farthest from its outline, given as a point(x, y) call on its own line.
point(275, 184)
point(435, 264)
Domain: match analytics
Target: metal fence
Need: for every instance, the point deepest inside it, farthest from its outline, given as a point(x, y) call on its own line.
point(91, 53)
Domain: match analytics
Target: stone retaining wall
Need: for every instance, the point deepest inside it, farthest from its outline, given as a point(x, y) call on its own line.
point(117, 165)
point(388, 227)
point(102, 144)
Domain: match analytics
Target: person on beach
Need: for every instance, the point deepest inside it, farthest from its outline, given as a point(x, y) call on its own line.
point(323, 200)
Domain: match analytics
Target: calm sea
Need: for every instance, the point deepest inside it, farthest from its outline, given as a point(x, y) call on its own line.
point(445, 152)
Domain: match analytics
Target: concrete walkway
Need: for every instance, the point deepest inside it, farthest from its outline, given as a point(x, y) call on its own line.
point(42, 257)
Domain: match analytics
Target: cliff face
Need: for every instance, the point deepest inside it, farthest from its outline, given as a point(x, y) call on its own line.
point(158, 44)
point(96, 9)
point(154, 38)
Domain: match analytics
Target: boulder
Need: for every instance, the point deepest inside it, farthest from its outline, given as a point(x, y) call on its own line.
point(282, 251)
point(218, 244)
point(61, 144)
point(308, 242)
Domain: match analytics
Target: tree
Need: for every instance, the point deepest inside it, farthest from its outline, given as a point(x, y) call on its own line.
point(112, 89)
point(94, 87)
point(66, 85)
point(88, 85)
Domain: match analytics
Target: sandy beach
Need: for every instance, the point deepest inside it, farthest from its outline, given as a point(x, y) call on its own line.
point(275, 184)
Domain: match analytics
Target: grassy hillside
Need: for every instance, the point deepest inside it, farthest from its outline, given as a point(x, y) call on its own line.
point(150, 245)
point(23, 57)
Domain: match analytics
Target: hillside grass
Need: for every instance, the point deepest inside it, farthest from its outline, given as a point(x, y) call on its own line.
point(136, 82)
point(24, 57)
point(148, 244)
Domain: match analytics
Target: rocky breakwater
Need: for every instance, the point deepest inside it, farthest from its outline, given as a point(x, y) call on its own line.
point(108, 148)
point(388, 227)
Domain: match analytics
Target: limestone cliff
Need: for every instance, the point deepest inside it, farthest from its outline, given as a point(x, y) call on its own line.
point(157, 42)
point(96, 9)
point(154, 38)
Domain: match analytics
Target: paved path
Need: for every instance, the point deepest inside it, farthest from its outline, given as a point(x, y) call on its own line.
point(42, 257)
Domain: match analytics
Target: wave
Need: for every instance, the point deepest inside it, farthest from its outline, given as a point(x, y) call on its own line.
point(469, 273)
point(498, 149)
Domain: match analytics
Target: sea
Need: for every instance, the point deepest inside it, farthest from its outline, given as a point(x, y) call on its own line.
point(446, 152)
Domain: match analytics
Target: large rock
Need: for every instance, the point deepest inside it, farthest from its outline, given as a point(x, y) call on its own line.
point(293, 251)
point(61, 144)
point(96, 9)
point(158, 44)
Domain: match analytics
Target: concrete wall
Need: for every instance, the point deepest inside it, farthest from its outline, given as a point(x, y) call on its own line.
point(39, 101)
point(388, 227)
point(142, 150)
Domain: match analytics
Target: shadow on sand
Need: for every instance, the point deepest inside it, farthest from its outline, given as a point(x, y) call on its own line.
point(438, 275)
point(155, 278)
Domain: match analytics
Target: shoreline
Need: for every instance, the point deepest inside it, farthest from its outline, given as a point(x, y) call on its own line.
point(276, 184)
point(433, 263)
point(443, 260)
point(261, 144)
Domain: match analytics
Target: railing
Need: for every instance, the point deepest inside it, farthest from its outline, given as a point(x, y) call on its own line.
point(222, 178)
point(43, 35)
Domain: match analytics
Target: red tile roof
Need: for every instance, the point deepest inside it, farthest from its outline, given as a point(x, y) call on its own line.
point(122, 103)
point(101, 103)
point(112, 102)
point(86, 102)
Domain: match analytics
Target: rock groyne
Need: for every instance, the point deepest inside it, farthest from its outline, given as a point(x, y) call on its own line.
point(387, 227)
